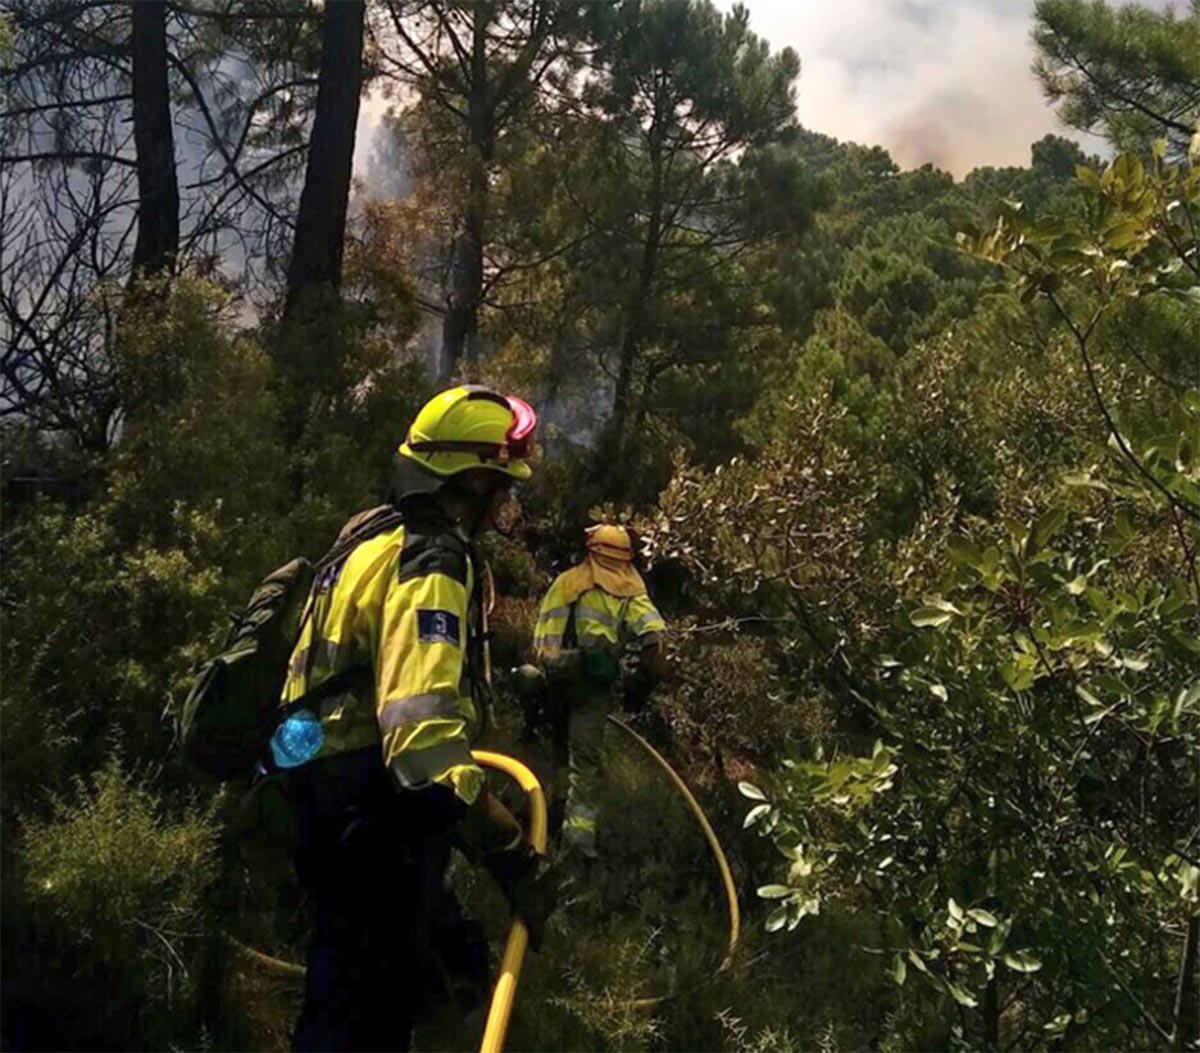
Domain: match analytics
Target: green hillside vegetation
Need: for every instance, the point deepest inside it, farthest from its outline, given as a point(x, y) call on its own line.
point(915, 463)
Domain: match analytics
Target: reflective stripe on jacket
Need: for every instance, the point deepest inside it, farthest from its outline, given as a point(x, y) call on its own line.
point(400, 606)
point(602, 622)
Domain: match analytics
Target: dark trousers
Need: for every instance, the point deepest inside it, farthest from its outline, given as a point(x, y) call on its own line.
point(373, 860)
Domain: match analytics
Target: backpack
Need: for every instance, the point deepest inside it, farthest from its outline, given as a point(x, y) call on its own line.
point(233, 706)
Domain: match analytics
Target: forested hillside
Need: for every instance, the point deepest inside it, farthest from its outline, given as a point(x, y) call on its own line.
point(914, 462)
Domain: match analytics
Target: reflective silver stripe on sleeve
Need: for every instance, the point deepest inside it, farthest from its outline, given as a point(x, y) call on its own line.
point(417, 768)
point(593, 615)
point(410, 708)
point(554, 612)
point(549, 640)
point(644, 620)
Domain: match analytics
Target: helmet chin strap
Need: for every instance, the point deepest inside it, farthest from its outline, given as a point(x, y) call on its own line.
point(479, 512)
point(467, 506)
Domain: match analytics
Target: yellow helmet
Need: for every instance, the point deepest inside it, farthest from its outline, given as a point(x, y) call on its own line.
point(471, 427)
point(612, 541)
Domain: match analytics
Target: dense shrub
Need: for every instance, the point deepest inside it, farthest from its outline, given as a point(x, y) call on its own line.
point(116, 889)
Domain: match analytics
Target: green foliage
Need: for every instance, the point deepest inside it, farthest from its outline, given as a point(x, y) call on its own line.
point(200, 428)
point(143, 575)
point(903, 282)
point(108, 862)
point(1022, 680)
point(111, 603)
point(1016, 716)
point(672, 204)
point(117, 886)
point(611, 1009)
point(923, 521)
point(728, 705)
point(6, 41)
point(1128, 71)
point(150, 609)
point(1058, 157)
point(1133, 242)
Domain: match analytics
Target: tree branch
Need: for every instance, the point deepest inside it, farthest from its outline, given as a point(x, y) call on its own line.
point(68, 157)
point(71, 104)
point(1081, 338)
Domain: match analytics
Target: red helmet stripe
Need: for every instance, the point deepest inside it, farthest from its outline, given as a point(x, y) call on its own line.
point(524, 419)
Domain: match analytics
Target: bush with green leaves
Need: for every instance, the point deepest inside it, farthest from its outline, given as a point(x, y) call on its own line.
point(116, 884)
point(109, 602)
point(1027, 806)
point(932, 598)
point(1021, 828)
point(727, 705)
point(113, 594)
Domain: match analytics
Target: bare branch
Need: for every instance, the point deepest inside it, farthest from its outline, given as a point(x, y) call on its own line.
point(67, 157)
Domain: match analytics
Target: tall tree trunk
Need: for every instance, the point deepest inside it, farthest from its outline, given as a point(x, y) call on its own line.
point(631, 343)
point(460, 328)
point(158, 189)
point(1187, 1013)
point(612, 449)
point(321, 224)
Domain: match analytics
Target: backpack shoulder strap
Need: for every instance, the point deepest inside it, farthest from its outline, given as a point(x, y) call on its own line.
point(362, 527)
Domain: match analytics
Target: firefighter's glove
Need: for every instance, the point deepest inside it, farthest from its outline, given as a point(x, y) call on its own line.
point(529, 683)
point(637, 687)
point(488, 829)
point(530, 885)
point(634, 696)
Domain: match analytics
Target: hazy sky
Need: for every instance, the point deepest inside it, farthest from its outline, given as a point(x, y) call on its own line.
point(946, 81)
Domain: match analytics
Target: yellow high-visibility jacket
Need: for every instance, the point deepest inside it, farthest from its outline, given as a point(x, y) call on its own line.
point(401, 609)
point(603, 622)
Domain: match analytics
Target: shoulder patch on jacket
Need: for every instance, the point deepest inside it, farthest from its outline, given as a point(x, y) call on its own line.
point(432, 554)
point(437, 626)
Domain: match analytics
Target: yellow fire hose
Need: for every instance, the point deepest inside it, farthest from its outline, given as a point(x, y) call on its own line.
point(713, 843)
point(518, 935)
point(275, 966)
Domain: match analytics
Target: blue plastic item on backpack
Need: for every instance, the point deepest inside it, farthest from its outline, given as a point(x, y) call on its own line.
point(297, 740)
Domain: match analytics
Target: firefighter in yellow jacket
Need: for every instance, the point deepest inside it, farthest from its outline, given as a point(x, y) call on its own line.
point(591, 616)
point(391, 658)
